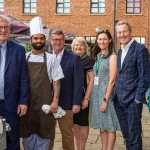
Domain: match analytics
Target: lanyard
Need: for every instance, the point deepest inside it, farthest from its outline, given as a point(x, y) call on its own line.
point(98, 63)
point(83, 56)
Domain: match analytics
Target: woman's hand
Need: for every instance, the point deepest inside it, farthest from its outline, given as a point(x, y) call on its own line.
point(84, 104)
point(103, 107)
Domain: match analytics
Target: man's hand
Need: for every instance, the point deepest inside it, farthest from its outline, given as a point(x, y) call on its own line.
point(22, 109)
point(54, 106)
point(76, 108)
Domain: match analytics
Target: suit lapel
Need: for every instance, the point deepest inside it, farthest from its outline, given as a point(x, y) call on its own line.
point(9, 52)
point(64, 58)
point(119, 59)
point(130, 51)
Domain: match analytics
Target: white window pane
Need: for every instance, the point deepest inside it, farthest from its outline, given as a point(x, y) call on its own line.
point(137, 39)
point(95, 1)
point(27, 5)
point(27, 10)
point(2, 1)
point(102, 10)
point(33, 4)
point(33, 10)
point(66, 0)
point(59, 1)
point(130, 5)
point(60, 5)
point(67, 10)
point(26, 1)
point(93, 39)
point(102, 0)
point(94, 10)
point(130, 10)
point(1, 5)
point(67, 5)
point(101, 4)
point(33, 0)
point(87, 38)
point(137, 4)
point(143, 40)
point(59, 10)
point(137, 10)
point(94, 5)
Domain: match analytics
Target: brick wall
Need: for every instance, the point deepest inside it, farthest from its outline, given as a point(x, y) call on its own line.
point(80, 21)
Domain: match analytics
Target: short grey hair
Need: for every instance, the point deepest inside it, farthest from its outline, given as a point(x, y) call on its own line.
point(4, 18)
point(124, 23)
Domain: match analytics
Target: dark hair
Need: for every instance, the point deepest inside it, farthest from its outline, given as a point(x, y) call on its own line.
point(96, 49)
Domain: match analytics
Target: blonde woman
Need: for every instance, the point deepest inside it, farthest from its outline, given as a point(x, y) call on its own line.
point(81, 123)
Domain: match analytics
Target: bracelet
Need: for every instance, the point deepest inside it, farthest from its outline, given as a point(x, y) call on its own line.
point(86, 98)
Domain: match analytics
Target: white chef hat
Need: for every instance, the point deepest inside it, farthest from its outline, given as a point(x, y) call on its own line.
point(36, 26)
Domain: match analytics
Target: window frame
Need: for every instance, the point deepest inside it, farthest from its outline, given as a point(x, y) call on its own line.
point(64, 8)
point(139, 39)
point(98, 6)
point(31, 8)
point(134, 2)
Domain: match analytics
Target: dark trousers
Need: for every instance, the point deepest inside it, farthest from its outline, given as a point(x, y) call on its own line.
point(12, 119)
point(130, 123)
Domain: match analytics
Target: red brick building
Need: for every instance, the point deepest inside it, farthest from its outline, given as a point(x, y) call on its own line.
point(82, 17)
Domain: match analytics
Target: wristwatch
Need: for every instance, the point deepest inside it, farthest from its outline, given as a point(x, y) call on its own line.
point(104, 100)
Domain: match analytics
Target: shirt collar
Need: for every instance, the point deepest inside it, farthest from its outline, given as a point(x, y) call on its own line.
point(4, 44)
point(125, 48)
point(60, 54)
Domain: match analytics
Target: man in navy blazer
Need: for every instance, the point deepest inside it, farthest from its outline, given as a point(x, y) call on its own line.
point(131, 84)
point(13, 83)
point(71, 87)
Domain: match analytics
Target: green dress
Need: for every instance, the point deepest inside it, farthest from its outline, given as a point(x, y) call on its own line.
point(98, 120)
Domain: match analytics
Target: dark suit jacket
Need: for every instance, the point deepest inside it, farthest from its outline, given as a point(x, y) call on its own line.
point(134, 76)
point(15, 77)
point(72, 84)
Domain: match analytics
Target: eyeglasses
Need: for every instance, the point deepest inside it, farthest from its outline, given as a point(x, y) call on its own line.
point(4, 27)
point(58, 40)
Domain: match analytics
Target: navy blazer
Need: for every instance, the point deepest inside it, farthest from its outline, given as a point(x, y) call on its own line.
point(134, 75)
point(15, 77)
point(72, 84)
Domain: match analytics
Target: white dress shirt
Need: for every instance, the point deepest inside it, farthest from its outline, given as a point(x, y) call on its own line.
point(125, 50)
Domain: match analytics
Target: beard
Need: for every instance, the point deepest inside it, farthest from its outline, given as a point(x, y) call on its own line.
point(38, 47)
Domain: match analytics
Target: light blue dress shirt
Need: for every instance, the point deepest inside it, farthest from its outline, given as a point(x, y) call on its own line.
point(2, 69)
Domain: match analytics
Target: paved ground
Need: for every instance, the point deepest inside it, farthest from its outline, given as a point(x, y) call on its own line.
point(93, 142)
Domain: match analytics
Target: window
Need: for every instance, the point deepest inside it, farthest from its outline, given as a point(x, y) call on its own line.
point(29, 7)
point(97, 6)
point(133, 6)
point(63, 7)
point(90, 41)
point(140, 39)
point(2, 5)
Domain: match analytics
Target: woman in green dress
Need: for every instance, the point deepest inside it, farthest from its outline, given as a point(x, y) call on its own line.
point(102, 113)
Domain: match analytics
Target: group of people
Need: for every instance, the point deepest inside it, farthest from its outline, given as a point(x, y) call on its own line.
point(105, 91)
